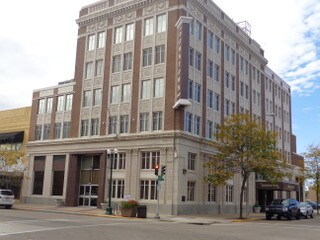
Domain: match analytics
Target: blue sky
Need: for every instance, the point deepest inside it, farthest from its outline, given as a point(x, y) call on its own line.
point(38, 47)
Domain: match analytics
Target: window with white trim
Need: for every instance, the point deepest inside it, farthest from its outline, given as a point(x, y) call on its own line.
point(146, 89)
point(192, 161)
point(129, 32)
point(157, 121)
point(91, 42)
point(229, 193)
point(150, 159)
point(148, 189)
point(144, 122)
point(161, 23)
point(101, 40)
point(118, 35)
point(148, 27)
point(191, 191)
point(118, 189)
point(211, 193)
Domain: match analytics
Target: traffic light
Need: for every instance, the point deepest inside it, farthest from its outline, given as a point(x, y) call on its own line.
point(156, 170)
point(163, 170)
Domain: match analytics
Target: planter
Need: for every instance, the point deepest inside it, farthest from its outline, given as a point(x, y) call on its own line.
point(129, 212)
point(256, 209)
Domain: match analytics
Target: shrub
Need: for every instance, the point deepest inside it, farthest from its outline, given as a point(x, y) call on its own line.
point(129, 204)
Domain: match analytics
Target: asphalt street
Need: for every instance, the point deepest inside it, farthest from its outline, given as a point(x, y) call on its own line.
point(34, 225)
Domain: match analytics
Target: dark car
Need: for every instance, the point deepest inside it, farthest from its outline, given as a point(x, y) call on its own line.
point(287, 208)
point(314, 204)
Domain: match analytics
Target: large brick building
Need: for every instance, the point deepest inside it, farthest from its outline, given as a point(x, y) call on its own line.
point(153, 79)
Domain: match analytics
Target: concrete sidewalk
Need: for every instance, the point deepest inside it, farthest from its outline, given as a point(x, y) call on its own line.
point(190, 219)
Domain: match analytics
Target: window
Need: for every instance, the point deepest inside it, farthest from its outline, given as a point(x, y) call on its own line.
point(116, 63)
point(191, 57)
point(46, 131)
point(233, 83)
point(60, 104)
point(42, 106)
point(66, 130)
point(233, 108)
point(227, 107)
point(89, 70)
point(144, 122)
point(229, 193)
point(191, 27)
point(247, 91)
point(124, 124)
point(241, 89)
point(198, 61)
point(84, 127)
point(247, 67)
point(161, 23)
point(118, 35)
point(233, 56)
point(241, 63)
point(38, 182)
point(209, 129)
point(227, 52)
point(129, 32)
point(210, 39)
point(127, 61)
point(149, 159)
point(112, 125)
point(191, 191)
point(126, 92)
point(119, 163)
point(159, 58)
point(86, 98)
point(101, 39)
point(211, 193)
point(210, 68)
point(147, 57)
point(197, 125)
point(99, 68)
point(148, 190)
point(188, 122)
point(190, 89)
point(156, 121)
point(96, 97)
point(68, 106)
point(148, 27)
point(215, 130)
point(114, 94)
point(57, 130)
point(226, 79)
point(49, 105)
point(210, 99)
point(192, 161)
point(158, 88)
point(216, 44)
point(117, 189)
point(145, 89)
point(216, 73)
point(198, 30)
point(90, 42)
point(95, 126)
point(216, 102)
point(58, 167)
point(38, 133)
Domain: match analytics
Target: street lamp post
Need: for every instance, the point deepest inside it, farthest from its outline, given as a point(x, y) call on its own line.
point(111, 154)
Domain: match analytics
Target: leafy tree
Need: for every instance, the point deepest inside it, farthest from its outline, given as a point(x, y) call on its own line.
point(245, 147)
point(312, 168)
point(12, 161)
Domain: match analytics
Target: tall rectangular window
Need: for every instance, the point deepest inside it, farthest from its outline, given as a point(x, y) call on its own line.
point(38, 171)
point(144, 122)
point(216, 44)
point(146, 89)
point(60, 104)
point(198, 61)
point(158, 87)
point(210, 99)
point(116, 63)
point(148, 27)
point(149, 159)
point(211, 193)
point(124, 124)
point(126, 92)
point(86, 98)
point(118, 189)
point(233, 56)
point(247, 91)
point(188, 122)
point(227, 52)
point(161, 23)
point(38, 133)
point(159, 58)
point(216, 102)
point(91, 42)
point(57, 130)
point(196, 127)
point(89, 70)
point(191, 57)
point(241, 89)
point(216, 73)
point(94, 126)
point(101, 40)
point(210, 68)
point(191, 191)
point(69, 98)
point(197, 92)
point(49, 105)
point(58, 166)
point(66, 130)
point(229, 193)
point(233, 83)
point(190, 89)
point(156, 121)
point(118, 35)
point(227, 81)
point(209, 129)
point(129, 32)
point(127, 61)
point(96, 97)
point(148, 189)
point(46, 131)
point(114, 98)
point(119, 163)
point(210, 39)
point(84, 127)
point(42, 106)
point(99, 68)
point(147, 57)
point(227, 107)
point(112, 125)
point(198, 30)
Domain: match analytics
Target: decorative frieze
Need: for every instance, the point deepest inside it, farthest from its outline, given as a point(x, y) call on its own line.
point(90, 55)
point(117, 49)
point(161, 38)
point(100, 53)
point(144, 106)
point(154, 8)
point(67, 117)
point(40, 119)
point(159, 70)
point(157, 104)
point(116, 78)
point(98, 82)
point(125, 108)
point(98, 7)
point(58, 118)
point(46, 93)
point(87, 84)
point(96, 112)
point(124, 18)
point(127, 76)
point(128, 46)
point(97, 27)
point(148, 41)
point(146, 72)
point(85, 113)
point(113, 110)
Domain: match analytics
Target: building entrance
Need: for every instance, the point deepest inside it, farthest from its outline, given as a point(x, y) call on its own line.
point(88, 195)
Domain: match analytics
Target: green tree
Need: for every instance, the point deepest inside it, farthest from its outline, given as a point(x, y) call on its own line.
point(245, 147)
point(312, 168)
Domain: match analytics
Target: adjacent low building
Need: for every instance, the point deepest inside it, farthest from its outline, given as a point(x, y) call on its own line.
point(153, 81)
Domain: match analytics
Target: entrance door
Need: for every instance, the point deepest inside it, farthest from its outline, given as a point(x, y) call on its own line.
point(88, 195)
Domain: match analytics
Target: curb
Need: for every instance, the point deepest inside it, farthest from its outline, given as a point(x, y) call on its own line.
point(246, 220)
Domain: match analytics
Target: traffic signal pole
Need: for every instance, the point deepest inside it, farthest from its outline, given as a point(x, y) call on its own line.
point(159, 180)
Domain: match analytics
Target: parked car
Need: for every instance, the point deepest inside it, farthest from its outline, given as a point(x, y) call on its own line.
point(306, 210)
point(287, 208)
point(6, 198)
point(314, 204)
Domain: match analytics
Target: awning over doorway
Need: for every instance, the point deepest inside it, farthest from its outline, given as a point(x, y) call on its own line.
point(279, 186)
point(11, 137)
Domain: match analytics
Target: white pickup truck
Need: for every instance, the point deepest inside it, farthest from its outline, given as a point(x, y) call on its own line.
point(6, 198)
